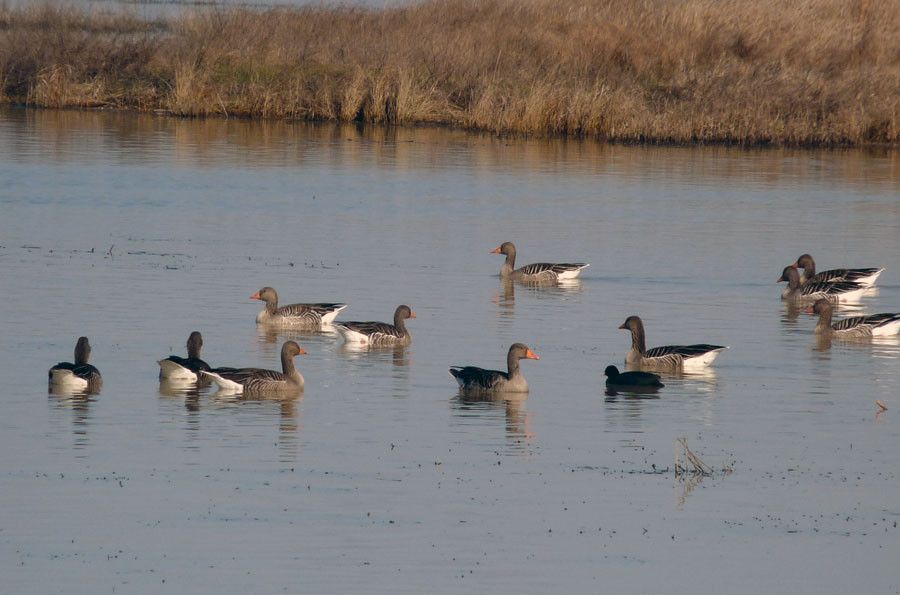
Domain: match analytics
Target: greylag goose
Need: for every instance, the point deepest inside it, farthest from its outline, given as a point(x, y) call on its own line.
point(865, 277)
point(257, 381)
point(840, 291)
point(184, 368)
point(378, 333)
point(308, 315)
point(539, 272)
point(634, 379)
point(856, 327)
point(79, 375)
point(667, 357)
point(478, 381)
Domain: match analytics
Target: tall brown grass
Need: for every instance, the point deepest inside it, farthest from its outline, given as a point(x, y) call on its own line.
point(814, 72)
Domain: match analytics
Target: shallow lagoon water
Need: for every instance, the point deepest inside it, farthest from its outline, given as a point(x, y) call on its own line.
point(136, 230)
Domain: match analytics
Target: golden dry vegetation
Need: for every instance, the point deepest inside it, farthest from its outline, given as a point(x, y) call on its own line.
point(810, 72)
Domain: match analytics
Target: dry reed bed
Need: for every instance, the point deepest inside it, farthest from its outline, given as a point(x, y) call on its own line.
point(811, 72)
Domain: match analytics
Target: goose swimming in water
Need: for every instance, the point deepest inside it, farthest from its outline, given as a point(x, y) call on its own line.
point(378, 334)
point(79, 375)
point(539, 272)
point(856, 327)
point(184, 368)
point(667, 357)
point(261, 382)
point(305, 315)
point(840, 291)
point(865, 277)
point(475, 381)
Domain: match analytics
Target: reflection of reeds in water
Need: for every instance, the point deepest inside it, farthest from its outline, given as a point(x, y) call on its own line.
point(815, 71)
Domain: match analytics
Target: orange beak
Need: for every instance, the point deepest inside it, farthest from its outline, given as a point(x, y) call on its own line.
point(531, 355)
point(412, 314)
point(255, 296)
point(496, 250)
point(302, 352)
point(809, 310)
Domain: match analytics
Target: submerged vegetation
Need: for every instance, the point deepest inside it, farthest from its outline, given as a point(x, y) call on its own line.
point(811, 72)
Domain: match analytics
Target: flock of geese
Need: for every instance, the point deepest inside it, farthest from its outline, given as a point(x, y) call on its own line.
point(818, 291)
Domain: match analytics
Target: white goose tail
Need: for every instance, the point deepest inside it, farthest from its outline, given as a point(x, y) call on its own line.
point(67, 379)
point(571, 274)
point(700, 362)
point(225, 385)
point(329, 317)
point(169, 370)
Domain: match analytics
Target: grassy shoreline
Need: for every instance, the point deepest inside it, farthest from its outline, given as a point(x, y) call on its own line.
point(813, 73)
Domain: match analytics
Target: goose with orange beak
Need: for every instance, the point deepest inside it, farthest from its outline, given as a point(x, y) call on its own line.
point(474, 381)
point(260, 382)
point(539, 272)
point(378, 334)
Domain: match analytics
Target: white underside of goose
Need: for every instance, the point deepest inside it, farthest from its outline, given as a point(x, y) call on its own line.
point(569, 275)
point(886, 330)
point(225, 385)
point(66, 379)
point(701, 361)
point(351, 336)
point(851, 296)
point(169, 370)
point(329, 317)
point(870, 280)
point(847, 297)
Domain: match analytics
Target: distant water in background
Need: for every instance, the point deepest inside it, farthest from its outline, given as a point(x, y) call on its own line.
point(135, 230)
point(152, 9)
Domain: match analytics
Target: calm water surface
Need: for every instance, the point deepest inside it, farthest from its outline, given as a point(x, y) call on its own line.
point(136, 230)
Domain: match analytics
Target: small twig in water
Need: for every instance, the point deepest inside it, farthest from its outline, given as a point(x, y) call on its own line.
point(697, 464)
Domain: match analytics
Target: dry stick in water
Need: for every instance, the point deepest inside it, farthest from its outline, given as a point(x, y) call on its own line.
point(699, 467)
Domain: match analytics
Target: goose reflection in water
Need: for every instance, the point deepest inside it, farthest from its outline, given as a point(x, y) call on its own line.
point(268, 335)
point(287, 410)
point(399, 355)
point(518, 422)
point(182, 388)
point(79, 403)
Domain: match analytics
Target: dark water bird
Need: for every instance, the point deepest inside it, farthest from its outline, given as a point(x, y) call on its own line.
point(295, 315)
point(834, 292)
point(539, 272)
point(475, 381)
point(856, 327)
point(667, 357)
point(79, 375)
point(631, 379)
point(864, 276)
point(378, 334)
point(261, 382)
point(184, 368)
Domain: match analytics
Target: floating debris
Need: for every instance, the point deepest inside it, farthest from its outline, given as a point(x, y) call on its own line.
point(684, 456)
